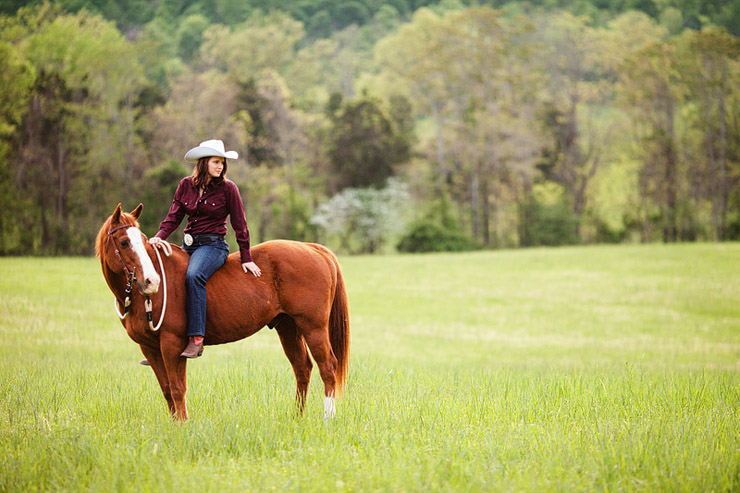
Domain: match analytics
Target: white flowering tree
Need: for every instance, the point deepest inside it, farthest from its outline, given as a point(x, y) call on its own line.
point(364, 218)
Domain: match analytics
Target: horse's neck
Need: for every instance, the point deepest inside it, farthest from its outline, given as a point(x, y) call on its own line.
point(175, 265)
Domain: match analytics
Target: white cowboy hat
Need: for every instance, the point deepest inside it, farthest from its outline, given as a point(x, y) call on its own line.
point(210, 148)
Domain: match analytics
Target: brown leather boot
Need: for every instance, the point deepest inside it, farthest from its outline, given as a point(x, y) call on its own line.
point(193, 350)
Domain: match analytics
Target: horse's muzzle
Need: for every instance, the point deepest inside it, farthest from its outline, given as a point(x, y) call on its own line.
point(149, 285)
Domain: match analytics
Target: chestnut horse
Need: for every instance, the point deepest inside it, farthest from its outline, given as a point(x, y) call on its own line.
point(300, 293)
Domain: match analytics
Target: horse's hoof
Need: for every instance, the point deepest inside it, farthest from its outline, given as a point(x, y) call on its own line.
point(144, 362)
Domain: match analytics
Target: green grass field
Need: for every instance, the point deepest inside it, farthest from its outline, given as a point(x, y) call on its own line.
point(598, 368)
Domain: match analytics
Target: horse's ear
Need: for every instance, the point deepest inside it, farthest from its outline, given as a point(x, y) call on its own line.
point(116, 218)
point(137, 212)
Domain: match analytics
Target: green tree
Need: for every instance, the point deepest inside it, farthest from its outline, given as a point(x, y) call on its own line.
point(365, 145)
point(416, 60)
point(651, 91)
point(575, 84)
point(157, 189)
point(312, 75)
point(77, 141)
point(550, 220)
point(466, 74)
point(16, 82)
point(262, 43)
point(350, 12)
point(712, 76)
point(190, 35)
point(201, 106)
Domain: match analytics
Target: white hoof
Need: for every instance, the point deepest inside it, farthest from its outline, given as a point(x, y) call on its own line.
point(330, 407)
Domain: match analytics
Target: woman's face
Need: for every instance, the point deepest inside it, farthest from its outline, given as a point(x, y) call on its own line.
point(215, 166)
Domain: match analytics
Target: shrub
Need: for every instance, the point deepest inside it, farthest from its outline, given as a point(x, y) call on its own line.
point(547, 219)
point(430, 236)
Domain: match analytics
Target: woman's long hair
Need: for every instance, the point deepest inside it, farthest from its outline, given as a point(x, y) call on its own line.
point(200, 173)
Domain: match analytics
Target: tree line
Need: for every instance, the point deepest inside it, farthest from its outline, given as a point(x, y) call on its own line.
point(392, 124)
point(322, 18)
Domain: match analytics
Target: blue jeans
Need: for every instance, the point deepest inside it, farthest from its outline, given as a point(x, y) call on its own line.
point(204, 261)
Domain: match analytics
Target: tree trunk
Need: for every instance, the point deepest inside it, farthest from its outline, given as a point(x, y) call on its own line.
point(714, 187)
point(129, 142)
point(670, 232)
point(444, 175)
point(722, 160)
point(486, 216)
point(62, 197)
point(525, 214)
point(474, 203)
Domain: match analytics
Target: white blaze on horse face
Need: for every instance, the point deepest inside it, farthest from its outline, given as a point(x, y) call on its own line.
point(150, 282)
point(330, 406)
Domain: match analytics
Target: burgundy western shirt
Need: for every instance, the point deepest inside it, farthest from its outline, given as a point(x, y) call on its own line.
point(207, 214)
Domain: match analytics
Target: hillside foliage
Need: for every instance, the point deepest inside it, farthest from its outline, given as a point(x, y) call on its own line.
point(505, 124)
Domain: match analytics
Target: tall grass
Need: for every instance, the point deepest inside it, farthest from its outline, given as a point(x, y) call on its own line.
point(600, 368)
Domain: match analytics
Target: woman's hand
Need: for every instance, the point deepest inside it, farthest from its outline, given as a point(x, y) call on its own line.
point(157, 242)
point(252, 267)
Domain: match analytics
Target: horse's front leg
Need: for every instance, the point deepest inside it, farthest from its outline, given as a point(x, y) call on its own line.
point(176, 367)
point(154, 356)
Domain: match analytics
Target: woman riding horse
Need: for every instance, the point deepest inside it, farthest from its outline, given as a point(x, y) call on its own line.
point(207, 197)
point(300, 293)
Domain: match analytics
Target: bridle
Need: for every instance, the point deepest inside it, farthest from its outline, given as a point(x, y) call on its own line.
point(130, 275)
point(131, 278)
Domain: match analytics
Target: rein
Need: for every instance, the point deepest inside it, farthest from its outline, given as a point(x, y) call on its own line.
point(148, 302)
point(131, 278)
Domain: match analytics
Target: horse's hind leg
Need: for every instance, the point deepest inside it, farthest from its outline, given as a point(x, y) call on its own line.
point(318, 342)
point(295, 349)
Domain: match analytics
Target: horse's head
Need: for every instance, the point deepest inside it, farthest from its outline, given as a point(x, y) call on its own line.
point(121, 247)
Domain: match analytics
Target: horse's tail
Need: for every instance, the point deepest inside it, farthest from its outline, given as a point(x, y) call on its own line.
point(339, 329)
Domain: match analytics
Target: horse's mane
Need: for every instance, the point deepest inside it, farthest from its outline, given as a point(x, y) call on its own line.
point(126, 218)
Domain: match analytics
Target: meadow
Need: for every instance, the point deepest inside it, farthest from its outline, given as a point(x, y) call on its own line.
point(604, 368)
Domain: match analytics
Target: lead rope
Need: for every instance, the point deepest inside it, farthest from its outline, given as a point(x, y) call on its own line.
point(148, 302)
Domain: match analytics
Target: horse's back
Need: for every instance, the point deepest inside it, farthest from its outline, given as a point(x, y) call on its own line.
point(296, 262)
point(290, 248)
point(294, 276)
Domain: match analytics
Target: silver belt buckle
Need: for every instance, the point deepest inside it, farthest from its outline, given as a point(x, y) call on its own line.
point(187, 239)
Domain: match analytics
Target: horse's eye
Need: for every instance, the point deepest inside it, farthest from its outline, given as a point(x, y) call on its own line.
point(124, 243)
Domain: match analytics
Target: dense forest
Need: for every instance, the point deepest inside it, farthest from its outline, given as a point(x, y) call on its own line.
point(374, 126)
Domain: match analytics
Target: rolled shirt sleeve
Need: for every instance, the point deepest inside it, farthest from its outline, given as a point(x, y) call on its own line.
point(175, 215)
